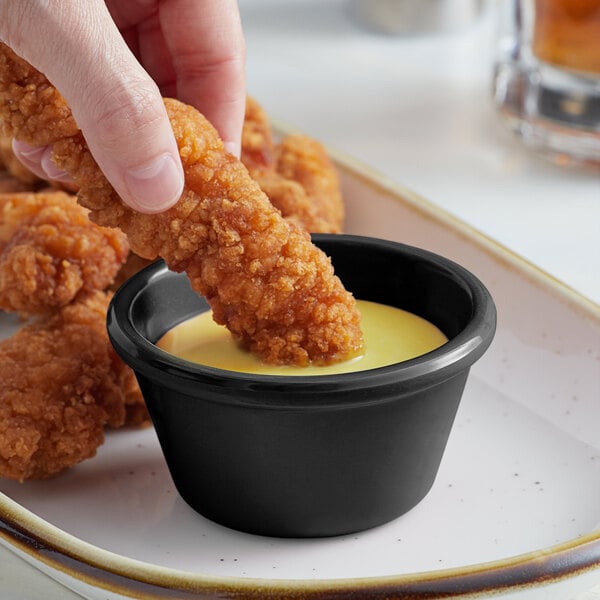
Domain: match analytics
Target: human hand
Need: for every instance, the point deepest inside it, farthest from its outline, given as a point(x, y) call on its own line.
point(113, 61)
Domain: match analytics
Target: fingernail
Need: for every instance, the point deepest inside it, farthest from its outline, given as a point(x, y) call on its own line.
point(51, 170)
point(30, 152)
point(155, 186)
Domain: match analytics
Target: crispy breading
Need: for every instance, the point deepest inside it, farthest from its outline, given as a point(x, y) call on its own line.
point(50, 252)
point(304, 160)
point(258, 151)
point(62, 384)
point(296, 173)
point(291, 199)
point(264, 279)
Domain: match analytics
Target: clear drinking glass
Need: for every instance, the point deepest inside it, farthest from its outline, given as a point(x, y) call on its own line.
point(547, 76)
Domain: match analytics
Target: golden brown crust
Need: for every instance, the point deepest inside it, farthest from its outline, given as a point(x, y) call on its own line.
point(50, 252)
point(62, 381)
point(62, 384)
point(264, 279)
point(258, 151)
point(296, 174)
point(34, 112)
point(304, 160)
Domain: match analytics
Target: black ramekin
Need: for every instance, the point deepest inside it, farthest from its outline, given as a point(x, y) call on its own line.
point(309, 455)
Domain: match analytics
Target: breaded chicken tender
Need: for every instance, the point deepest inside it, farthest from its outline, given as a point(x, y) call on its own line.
point(258, 148)
point(296, 174)
point(62, 384)
point(304, 160)
point(264, 279)
point(305, 188)
point(50, 252)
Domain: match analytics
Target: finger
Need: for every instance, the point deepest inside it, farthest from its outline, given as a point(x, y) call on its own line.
point(140, 27)
point(30, 157)
point(154, 54)
point(38, 160)
point(115, 103)
point(206, 43)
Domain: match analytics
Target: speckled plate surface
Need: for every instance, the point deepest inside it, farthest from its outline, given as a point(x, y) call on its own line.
point(515, 509)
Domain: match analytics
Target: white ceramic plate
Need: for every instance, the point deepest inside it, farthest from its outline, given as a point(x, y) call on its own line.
point(514, 511)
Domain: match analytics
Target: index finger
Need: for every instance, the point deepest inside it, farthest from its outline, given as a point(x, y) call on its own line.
point(207, 47)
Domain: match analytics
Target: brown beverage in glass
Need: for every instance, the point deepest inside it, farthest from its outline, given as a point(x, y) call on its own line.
point(567, 33)
point(547, 76)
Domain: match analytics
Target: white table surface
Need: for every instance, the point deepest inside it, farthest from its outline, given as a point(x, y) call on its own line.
point(418, 109)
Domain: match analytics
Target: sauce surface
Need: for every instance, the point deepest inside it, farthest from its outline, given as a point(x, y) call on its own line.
point(391, 335)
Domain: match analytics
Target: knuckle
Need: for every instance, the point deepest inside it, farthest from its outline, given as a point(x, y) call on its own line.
point(125, 110)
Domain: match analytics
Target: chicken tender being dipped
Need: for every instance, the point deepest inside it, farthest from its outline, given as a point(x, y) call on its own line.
point(264, 279)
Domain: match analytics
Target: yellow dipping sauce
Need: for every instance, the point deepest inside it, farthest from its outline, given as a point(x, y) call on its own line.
point(391, 335)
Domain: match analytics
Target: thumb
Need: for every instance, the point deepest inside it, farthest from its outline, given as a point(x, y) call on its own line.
point(129, 135)
point(115, 103)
